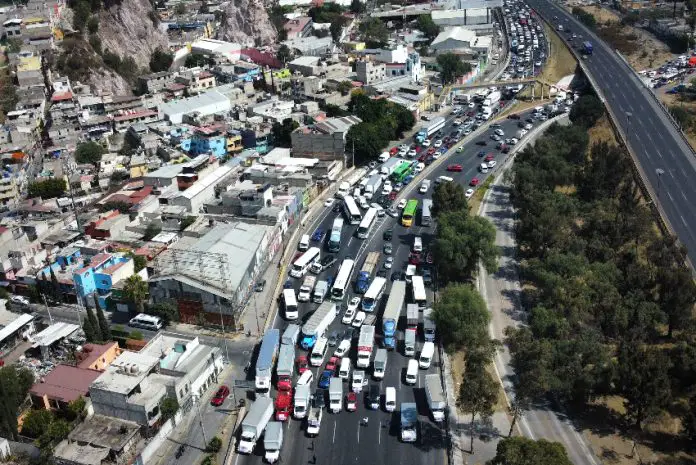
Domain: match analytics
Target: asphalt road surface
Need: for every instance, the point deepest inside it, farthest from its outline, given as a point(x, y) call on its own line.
point(342, 439)
point(665, 159)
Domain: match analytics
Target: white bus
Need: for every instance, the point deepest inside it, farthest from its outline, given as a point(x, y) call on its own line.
point(366, 223)
point(419, 296)
point(373, 294)
point(351, 210)
point(338, 291)
point(290, 304)
point(302, 264)
point(426, 218)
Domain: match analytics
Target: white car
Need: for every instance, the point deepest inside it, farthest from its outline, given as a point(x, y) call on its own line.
point(426, 143)
point(491, 163)
point(523, 132)
point(499, 132)
point(514, 140)
point(528, 126)
point(348, 316)
point(469, 193)
point(342, 349)
point(329, 202)
point(402, 204)
point(386, 189)
point(358, 320)
point(457, 122)
point(388, 263)
point(354, 304)
point(359, 381)
point(437, 143)
point(18, 299)
point(411, 153)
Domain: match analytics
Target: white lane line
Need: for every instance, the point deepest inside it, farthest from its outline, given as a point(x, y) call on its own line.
point(682, 194)
point(358, 432)
point(379, 433)
point(670, 196)
point(683, 220)
point(333, 440)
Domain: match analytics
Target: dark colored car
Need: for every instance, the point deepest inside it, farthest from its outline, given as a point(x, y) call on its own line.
point(481, 154)
point(318, 235)
point(220, 396)
point(382, 274)
point(388, 234)
point(319, 398)
point(328, 261)
point(325, 379)
point(260, 286)
point(287, 284)
point(373, 397)
point(398, 276)
point(427, 277)
point(481, 142)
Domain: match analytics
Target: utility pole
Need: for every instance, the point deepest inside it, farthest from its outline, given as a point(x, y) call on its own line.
point(50, 318)
point(222, 325)
point(200, 421)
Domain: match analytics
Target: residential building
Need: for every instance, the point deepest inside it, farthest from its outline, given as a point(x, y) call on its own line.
point(298, 27)
point(462, 41)
point(156, 82)
point(227, 51)
point(97, 356)
point(369, 72)
point(14, 329)
point(61, 386)
point(206, 103)
point(201, 191)
point(325, 140)
point(305, 65)
point(99, 439)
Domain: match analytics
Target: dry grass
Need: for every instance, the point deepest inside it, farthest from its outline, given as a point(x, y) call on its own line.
point(602, 131)
point(457, 367)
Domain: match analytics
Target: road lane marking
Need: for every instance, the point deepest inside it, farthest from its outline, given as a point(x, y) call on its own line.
point(359, 432)
point(379, 433)
point(333, 440)
point(670, 196)
point(683, 221)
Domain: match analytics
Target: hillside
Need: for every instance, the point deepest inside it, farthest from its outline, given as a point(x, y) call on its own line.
point(247, 22)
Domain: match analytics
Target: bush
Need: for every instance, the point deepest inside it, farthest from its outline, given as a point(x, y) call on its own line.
point(48, 188)
point(89, 152)
point(209, 460)
point(214, 445)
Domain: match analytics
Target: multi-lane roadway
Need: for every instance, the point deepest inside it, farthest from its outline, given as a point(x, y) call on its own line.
point(664, 158)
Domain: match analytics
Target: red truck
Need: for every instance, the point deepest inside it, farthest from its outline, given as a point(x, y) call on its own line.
point(283, 405)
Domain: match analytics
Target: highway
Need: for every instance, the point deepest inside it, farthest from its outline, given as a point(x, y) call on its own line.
point(342, 439)
point(664, 158)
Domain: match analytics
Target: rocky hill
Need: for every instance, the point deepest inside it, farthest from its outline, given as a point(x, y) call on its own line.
point(247, 22)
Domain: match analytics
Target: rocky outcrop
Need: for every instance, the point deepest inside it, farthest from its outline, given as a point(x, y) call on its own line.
point(247, 22)
point(105, 81)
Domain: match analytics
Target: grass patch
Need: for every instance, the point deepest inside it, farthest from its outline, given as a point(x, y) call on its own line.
point(602, 131)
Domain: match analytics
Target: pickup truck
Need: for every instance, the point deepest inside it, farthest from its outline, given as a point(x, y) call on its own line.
point(314, 420)
point(306, 289)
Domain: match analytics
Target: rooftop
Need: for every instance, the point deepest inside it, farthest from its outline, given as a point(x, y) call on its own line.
point(74, 452)
point(94, 351)
point(126, 372)
point(107, 432)
point(53, 333)
point(206, 182)
point(456, 33)
point(65, 383)
point(15, 325)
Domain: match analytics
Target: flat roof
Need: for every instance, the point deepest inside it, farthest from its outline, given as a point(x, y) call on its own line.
point(53, 333)
point(206, 182)
point(118, 377)
point(102, 431)
point(14, 326)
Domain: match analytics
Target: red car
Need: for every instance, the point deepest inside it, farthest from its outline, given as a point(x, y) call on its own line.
point(422, 158)
point(220, 396)
point(394, 150)
point(392, 195)
point(489, 157)
point(414, 258)
point(352, 402)
point(474, 182)
point(431, 150)
point(332, 364)
point(302, 364)
point(454, 168)
point(514, 116)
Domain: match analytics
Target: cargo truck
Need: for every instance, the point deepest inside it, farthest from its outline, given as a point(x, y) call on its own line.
point(301, 404)
point(314, 420)
point(366, 342)
point(286, 367)
point(409, 422)
point(306, 289)
point(435, 396)
point(267, 357)
point(335, 395)
point(392, 312)
point(273, 441)
point(290, 335)
point(283, 405)
point(372, 186)
point(254, 423)
point(390, 165)
point(429, 129)
point(428, 325)
point(412, 315)
point(380, 364)
point(492, 99)
point(410, 342)
point(362, 283)
point(317, 324)
point(320, 291)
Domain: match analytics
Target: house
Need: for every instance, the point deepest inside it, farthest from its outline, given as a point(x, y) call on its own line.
point(206, 103)
point(201, 191)
point(99, 439)
point(462, 41)
point(369, 72)
point(61, 386)
point(155, 82)
point(325, 140)
point(97, 356)
point(298, 27)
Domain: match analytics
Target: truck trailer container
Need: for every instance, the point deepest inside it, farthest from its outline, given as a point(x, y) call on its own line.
point(372, 186)
point(290, 335)
point(273, 441)
point(301, 403)
point(362, 283)
point(380, 364)
point(320, 291)
point(285, 368)
point(392, 312)
point(254, 423)
point(412, 315)
point(409, 422)
point(390, 165)
point(267, 357)
point(335, 395)
point(429, 129)
point(435, 396)
point(410, 342)
point(317, 324)
point(492, 99)
point(366, 342)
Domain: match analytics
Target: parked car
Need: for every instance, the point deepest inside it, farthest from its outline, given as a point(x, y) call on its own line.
point(457, 168)
point(220, 396)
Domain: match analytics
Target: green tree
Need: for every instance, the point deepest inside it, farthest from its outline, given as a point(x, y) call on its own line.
point(151, 231)
point(586, 18)
point(14, 385)
point(282, 132)
point(89, 152)
point(334, 110)
point(194, 60)
point(160, 60)
point(586, 111)
point(344, 87)
point(136, 291)
point(461, 317)
point(478, 393)
point(81, 12)
point(57, 292)
point(336, 28)
point(169, 407)
point(139, 261)
point(523, 451)
point(77, 408)
point(688, 418)
point(357, 7)
point(452, 67)
point(180, 9)
point(90, 331)
point(136, 335)
point(284, 53)
point(36, 422)
point(374, 32)
point(95, 325)
point(214, 445)
point(121, 206)
point(449, 197)
point(14, 45)
point(426, 25)
point(103, 325)
point(96, 44)
point(167, 312)
point(47, 189)
point(93, 24)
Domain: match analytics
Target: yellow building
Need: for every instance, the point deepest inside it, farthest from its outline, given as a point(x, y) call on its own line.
point(234, 142)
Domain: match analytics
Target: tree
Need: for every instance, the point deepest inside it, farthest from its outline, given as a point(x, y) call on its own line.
point(47, 189)
point(336, 28)
point(428, 27)
point(36, 422)
point(449, 197)
point(93, 25)
point(90, 331)
point(356, 7)
point(81, 12)
point(180, 9)
point(478, 393)
point(461, 317)
point(14, 386)
point(57, 293)
point(95, 325)
point(452, 67)
point(136, 291)
point(282, 132)
point(103, 324)
point(214, 445)
point(89, 152)
point(523, 451)
point(374, 32)
point(186, 222)
point(586, 111)
point(169, 407)
point(344, 87)
point(334, 110)
point(284, 53)
point(76, 408)
point(167, 312)
point(139, 261)
point(462, 241)
point(689, 419)
point(160, 60)
point(195, 60)
point(151, 231)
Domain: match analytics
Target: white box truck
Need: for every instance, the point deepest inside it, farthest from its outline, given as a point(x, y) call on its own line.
point(372, 186)
point(435, 396)
point(267, 357)
point(317, 324)
point(254, 423)
point(306, 289)
point(380, 364)
point(335, 395)
point(366, 342)
point(273, 441)
point(301, 404)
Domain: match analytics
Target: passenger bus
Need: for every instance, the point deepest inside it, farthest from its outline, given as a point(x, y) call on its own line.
point(302, 264)
point(334, 243)
point(402, 171)
point(351, 210)
point(419, 296)
point(374, 293)
point(409, 213)
point(338, 291)
point(366, 223)
point(426, 218)
point(290, 304)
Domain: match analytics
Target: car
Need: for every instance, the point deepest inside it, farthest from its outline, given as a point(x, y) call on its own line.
point(327, 261)
point(332, 364)
point(330, 201)
point(348, 316)
point(358, 320)
point(513, 141)
point(398, 186)
point(437, 143)
point(388, 234)
point(460, 149)
point(318, 235)
point(491, 163)
point(481, 142)
point(372, 164)
point(496, 137)
point(336, 208)
point(220, 396)
point(481, 153)
point(522, 132)
point(351, 402)
point(393, 151)
point(343, 348)
point(427, 276)
point(325, 379)
point(414, 258)
point(259, 287)
point(302, 364)
point(378, 207)
point(408, 179)
point(319, 398)
point(398, 276)
point(499, 132)
point(392, 212)
point(457, 168)
point(333, 338)
point(359, 380)
point(489, 157)
point(382, 274)
point(388, 263)
point(388, 248)
point(401, 204)
point(457, 122)
point(474, 182)
point(288, 284)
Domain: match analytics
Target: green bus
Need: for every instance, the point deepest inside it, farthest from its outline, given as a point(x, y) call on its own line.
point(402, 171)
point(409, 213)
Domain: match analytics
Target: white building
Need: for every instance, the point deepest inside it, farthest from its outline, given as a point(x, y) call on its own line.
point(207, 103)
point(462, 41)
point(229, 51)
point(202, 190)
point(274, 110)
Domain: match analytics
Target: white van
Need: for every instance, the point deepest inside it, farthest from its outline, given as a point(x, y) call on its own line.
point(426, 355)
point(344, 370)
point(384, 156)
point(305, 378)
point(442, 179)
point(417, 244)
point(412, 372)
point(150, 322)
point(318, 352)
point(304, 243)
point(484, 167)
point(390, 399)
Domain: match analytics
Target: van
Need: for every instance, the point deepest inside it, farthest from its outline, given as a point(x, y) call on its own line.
point(442, 179)
point(412, 372)
point(384, 156)
point(305, 378)
point(344, 370)
point(417, 244)
point(317, 356)
point(150, 322)
point(363, 203)
point(484, 167)
point(390, 399)
point(304, 243)
point(343, 189)
point(426, 355)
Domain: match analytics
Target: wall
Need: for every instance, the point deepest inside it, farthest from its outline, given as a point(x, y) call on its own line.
point(149, 454)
